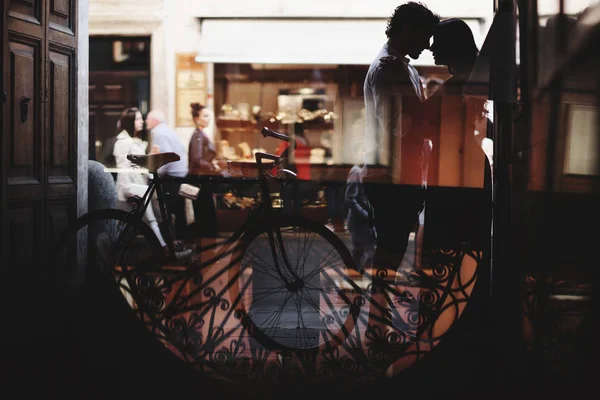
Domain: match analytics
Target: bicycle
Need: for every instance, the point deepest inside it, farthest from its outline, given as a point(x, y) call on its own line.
point(273, 273)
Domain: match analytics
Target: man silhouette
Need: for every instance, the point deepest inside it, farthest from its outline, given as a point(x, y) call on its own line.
point(391, 90)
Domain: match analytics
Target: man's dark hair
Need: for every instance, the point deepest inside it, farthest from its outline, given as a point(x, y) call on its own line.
point(411, 13)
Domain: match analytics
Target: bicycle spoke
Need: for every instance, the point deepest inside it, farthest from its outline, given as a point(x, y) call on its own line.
point(306, 263)
point(304, 252)
point(278, 318)
point(267, 293)
point(264, 267)
point(325, 261)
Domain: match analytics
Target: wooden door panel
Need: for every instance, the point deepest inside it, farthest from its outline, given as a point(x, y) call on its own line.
point(58, 215)
point(110, 92)
point(61, 15)
point(25, 28)
point(39, 153)
point(110, 116)
point(26, 10)
point(94, 94)
point(114, 92)
point(61, 123)
point(24, 137)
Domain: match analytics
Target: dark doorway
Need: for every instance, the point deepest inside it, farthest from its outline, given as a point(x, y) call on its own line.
point(119, 78)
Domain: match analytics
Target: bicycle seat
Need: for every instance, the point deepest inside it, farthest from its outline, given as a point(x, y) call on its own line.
point(153, 161)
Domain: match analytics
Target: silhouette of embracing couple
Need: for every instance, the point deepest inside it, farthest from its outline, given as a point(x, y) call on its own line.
point(394, 101)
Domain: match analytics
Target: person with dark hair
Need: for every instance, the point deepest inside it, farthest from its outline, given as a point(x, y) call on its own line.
point(130, 181)
point(392, 88)
point(454, 46)
point(201, 155)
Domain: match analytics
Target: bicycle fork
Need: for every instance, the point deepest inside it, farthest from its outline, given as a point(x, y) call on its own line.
point(297, 283)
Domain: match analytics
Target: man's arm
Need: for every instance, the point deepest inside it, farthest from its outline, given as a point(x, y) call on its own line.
point(195, 155)
point(392, 85)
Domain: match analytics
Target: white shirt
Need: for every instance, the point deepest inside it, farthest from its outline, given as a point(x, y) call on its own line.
point(166, 139)
point(129, 173)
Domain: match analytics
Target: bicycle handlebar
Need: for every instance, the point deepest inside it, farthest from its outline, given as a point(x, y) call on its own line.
point(266, 132)
point(281, 136)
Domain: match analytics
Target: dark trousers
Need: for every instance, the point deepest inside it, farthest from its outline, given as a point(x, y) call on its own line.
point(363, 246)
point(396, 209)
point(176, 207)
point(205, 213)
point(335, 202)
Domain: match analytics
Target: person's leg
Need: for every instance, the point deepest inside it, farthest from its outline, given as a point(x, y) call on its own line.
point(208, 212)
point(369, 249)
point(181, 226)
point(197, 206)
point(396, 213)
point(206, 236)
point(176, 207)
point(396, 210)
point(357, 250)
point(149, 216)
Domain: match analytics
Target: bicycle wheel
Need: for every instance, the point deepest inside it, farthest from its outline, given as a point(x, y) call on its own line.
point(311, 304)
point(118, 248)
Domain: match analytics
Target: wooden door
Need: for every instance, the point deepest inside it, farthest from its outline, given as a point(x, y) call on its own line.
point(39, 133)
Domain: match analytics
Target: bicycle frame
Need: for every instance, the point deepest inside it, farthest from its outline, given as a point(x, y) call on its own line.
point(139, 208)
point(265, 207)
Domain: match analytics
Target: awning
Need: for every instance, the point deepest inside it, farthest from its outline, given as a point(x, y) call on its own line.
point(298, 41)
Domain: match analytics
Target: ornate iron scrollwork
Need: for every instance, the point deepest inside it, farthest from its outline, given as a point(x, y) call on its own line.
point(403, 315)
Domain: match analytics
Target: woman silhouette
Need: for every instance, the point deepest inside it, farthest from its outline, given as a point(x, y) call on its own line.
point(454, 46)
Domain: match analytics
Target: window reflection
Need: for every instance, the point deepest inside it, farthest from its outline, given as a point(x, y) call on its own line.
point(558, 32)
point(582, 141)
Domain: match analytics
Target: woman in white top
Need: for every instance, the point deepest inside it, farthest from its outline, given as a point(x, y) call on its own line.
point(130, 180)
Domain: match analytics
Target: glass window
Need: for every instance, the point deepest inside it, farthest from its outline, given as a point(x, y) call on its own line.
point(582, 141)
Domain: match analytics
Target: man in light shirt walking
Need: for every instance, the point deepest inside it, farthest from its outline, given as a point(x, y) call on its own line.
point(164, 140)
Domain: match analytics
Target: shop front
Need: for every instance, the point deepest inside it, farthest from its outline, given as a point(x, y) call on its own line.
point(304, 77)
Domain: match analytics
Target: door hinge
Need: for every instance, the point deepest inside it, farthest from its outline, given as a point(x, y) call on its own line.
point(4, 97)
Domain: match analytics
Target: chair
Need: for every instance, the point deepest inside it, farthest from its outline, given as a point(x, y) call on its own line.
point(102, 190)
